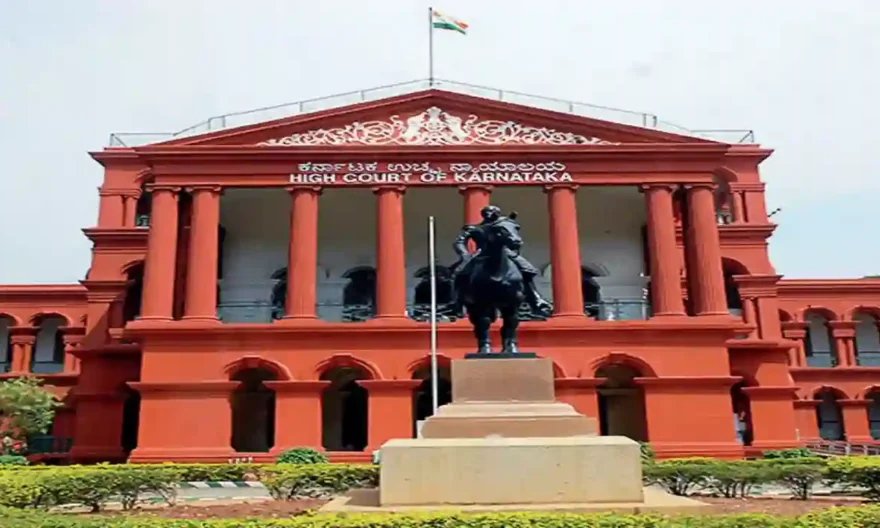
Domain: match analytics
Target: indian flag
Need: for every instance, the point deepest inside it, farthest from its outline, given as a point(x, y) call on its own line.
point(441, 21)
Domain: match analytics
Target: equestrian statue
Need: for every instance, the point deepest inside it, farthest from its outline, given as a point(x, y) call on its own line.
point(495, 278)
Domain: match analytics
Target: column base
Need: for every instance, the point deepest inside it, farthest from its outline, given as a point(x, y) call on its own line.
point(151, 318)
point(183, 454)
point(572, 315)
point(96, 454)
point(201, 319)
point(669, 315)
point(299, 319)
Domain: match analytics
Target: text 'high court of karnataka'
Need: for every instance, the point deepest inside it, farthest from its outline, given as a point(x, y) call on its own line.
point(259, 284)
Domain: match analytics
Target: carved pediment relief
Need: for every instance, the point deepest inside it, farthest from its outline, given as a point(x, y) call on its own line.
point(434, 127)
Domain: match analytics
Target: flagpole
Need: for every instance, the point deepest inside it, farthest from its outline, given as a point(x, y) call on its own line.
point(430, 47)
point(431, 265)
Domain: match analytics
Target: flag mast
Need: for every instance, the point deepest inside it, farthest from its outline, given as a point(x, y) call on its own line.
point(430, 47)
point(435, 396)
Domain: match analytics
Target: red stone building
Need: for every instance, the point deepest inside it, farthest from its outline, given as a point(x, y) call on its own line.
point(260, 287)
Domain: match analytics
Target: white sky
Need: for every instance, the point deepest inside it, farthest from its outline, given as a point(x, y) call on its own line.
point(802, 74)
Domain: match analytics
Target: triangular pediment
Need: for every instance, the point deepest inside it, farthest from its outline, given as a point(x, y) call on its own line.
point(433, 118)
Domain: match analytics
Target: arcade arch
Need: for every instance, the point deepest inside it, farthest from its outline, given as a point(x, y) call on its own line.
point(829, 417)
point(621, 402)
point(345, 409)
point(253, 410)
point(423, 403)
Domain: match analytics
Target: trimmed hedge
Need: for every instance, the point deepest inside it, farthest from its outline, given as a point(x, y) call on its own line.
point(95, 486)
point(859, 517)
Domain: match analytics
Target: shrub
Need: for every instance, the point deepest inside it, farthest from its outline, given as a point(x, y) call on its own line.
point(788, 453)
point(647, 452)
point(859, 471)
point(679, 476)
point(799, 476)
point(859, 517)
point(317, 480)
point(13, 460)
point(302, 455)
point(27, 410)
point(739, 478)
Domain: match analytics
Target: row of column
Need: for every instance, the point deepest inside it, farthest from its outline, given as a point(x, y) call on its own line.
point(843, 334)
point(703, 255)
point(22, 352)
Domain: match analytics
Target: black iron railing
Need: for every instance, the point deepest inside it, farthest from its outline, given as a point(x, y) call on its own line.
point(49, 445)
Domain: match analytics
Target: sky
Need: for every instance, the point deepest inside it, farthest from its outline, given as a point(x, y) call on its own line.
point(803, 75)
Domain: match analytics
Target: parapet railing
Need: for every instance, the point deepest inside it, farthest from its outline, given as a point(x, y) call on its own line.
point(841, 448)
point(268, 113)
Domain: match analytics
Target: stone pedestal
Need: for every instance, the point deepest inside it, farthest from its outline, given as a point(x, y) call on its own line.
point(510, 398)
point(454, 471)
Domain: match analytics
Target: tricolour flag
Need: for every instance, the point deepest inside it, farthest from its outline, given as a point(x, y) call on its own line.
point(441, 21)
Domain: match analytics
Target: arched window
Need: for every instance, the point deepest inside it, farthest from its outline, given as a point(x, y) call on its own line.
point(6, 324)
point(253, 411)
point(279, 293)
point(591, 292)
point(829, 419)
point(143, 208)
point(421, 310)
point(818, 343)
point(723, 202)
point(48, 356)
point(867, 340)
point(359, 294)
point(731, 291)
point(344, 410)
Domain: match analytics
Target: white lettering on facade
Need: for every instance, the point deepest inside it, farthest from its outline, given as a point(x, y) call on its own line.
point(428, 174)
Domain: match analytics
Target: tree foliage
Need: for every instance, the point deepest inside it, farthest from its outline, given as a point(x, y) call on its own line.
point(26, 409)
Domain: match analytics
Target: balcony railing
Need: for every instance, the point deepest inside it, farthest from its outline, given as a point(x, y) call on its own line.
point(265, 312)
point(821, 360)
point(5, 366)
point(48, 445)
point(868, 358)
point(250, 117)
point(47, 367)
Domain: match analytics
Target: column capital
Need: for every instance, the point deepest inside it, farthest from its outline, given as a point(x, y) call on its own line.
point(671, 187)
point(175, 189)
point(561, 186)
point(475, 187)
point(214, 189)
point(293, 189)
point(22, 339)
point(700, 185)
point(380, 189)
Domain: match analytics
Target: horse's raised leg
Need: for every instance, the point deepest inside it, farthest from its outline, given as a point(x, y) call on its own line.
point(508, 330)
point(480, 322)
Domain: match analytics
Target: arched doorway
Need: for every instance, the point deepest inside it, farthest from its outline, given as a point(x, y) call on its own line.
point(423, 399)
point(829, 419)
point(742, 414)
point(344, 410)
point(253, 411)
point(621, 403)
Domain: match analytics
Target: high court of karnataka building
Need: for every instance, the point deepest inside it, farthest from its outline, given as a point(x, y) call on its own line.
point(255, 288)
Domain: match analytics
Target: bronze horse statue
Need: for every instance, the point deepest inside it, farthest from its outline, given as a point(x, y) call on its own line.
point(494, 279)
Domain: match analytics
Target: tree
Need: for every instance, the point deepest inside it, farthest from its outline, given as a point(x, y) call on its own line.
point(26, 409)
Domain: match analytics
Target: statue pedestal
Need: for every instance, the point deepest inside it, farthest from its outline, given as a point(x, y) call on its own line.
point(511, 398)
point(504, 443)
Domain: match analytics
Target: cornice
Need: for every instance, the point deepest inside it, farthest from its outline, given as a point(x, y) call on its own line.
point(738, 234)
point(835, 286)
point(43, 293)
point(757, 286)
point(124, 237)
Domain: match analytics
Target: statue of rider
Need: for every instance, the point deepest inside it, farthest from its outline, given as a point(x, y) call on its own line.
point(490, 214)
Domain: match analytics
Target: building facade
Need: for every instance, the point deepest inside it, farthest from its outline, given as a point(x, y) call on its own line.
point(262, 287)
